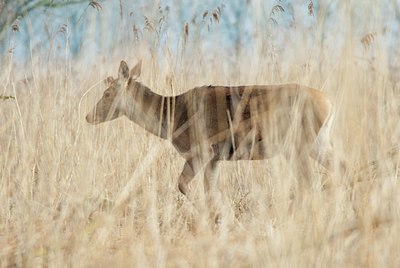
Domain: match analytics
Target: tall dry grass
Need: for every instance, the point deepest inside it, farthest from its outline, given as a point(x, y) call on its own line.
point(73, 194)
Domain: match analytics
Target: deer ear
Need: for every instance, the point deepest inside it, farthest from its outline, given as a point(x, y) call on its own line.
point(135, 71)
point(108, 80)
point(123, 72)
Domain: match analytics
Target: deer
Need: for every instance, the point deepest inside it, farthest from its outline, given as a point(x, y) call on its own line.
point(209, 124)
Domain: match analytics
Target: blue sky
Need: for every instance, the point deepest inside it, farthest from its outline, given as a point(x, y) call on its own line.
point(87, 33)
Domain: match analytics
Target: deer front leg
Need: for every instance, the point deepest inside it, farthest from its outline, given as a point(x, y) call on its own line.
point(211, 191)
point(209, 179)
point(186, 176)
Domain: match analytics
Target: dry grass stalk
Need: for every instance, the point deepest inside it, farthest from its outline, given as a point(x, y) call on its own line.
point(15, 25)
point(311, 8)
point(185, 32)
point(276, 9)
point(368, 39)
point(91, 196)
point(7, 97)
point(148, 24)
point(95, 4)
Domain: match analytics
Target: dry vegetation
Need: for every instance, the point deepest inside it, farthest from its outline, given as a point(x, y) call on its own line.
point(73, 194)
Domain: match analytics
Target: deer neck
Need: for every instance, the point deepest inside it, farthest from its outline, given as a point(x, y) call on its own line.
point(150, 110)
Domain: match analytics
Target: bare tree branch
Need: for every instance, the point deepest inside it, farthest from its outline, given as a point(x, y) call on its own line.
point(10, 10)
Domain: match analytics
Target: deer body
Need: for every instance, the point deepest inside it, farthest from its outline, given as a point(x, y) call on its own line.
point(212, 123)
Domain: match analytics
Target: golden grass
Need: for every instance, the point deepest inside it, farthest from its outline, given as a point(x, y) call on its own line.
point(74, 194)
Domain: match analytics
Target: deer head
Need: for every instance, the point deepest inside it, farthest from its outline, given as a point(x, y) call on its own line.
point(113, 103)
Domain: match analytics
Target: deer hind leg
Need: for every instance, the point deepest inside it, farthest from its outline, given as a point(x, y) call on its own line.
point(186, 176)
point(297, 153)
point(303, 169)
point(322, 152)
point(299, 159)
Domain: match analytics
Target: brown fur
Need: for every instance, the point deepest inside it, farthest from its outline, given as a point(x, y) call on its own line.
point(212, 123)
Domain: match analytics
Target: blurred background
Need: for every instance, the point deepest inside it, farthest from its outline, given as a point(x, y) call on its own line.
point(222, 31)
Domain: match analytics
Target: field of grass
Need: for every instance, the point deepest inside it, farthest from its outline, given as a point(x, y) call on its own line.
point(74, 194)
